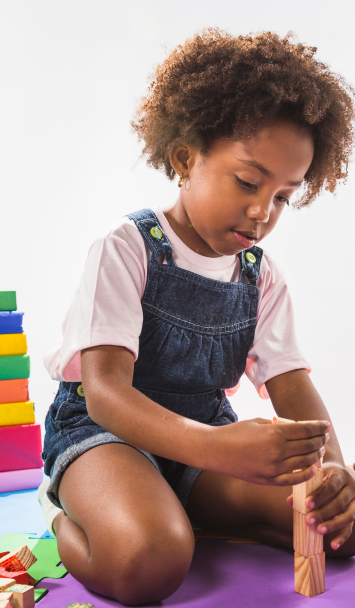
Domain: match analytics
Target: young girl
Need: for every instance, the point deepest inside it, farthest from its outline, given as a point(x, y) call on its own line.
point(175, 304)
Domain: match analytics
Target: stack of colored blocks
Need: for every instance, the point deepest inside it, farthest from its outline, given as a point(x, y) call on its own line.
point(20, 437)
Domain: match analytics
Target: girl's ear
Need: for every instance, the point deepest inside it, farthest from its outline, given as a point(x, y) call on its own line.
point(182, 158)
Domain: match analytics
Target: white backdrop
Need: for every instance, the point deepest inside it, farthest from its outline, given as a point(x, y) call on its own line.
point(71, 72)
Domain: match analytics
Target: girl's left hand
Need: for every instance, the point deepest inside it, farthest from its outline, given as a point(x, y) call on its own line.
point(333, 503)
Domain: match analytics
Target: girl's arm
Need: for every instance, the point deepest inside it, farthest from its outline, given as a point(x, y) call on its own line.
point(294, 397)
point(254, 450)
point(113, 403)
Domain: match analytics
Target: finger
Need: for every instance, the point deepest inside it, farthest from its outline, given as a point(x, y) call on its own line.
point(333, 508)
point(305, 446)
point(300, 462)
point(303, 430)
point(289, 500)
point(341, 538)
point(339, 522)
point(294, 478)
point(327, 491)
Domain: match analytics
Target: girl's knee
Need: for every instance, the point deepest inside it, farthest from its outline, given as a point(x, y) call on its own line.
point(152, 569)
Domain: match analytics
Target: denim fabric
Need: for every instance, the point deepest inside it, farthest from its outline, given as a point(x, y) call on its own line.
point(194, 343)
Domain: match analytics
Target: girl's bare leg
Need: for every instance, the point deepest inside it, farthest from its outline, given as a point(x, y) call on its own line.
point(124, 533)
point(252, 511)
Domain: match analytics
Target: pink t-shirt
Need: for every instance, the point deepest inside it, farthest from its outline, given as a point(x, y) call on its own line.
point(106, 308)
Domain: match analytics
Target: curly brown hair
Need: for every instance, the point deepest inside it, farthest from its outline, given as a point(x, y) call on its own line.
point(217, 85)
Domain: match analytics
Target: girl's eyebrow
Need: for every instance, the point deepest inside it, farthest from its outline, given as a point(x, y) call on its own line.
point(264, 171)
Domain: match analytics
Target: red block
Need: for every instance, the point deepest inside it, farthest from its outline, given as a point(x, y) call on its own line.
point(21, 576)
point(20, 447)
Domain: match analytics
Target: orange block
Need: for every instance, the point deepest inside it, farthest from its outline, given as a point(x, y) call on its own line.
point(13, 391)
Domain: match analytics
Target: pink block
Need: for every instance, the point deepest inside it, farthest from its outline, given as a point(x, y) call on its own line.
point(25, 479)
point(20, 447)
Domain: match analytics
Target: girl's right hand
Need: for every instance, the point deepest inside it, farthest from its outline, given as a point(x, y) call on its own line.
point(264, 453)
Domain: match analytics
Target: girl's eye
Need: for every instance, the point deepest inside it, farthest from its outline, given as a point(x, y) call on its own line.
point(249, 186)
point(246, 185)
point(283, 200)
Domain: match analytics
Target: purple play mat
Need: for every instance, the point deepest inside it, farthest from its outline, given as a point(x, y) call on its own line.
point(228, 574)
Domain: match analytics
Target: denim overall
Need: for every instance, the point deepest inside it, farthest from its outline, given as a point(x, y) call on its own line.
point(194, 343)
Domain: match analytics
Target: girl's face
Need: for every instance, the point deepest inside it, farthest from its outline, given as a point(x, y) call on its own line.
point(232, 198)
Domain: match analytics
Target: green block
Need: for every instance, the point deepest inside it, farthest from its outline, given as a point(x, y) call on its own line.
point(8, 300)
point(14, 366)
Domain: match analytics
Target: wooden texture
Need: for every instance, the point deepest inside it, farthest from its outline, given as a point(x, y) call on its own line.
point(20, 577)
point(310, 574)
point(306, 540)
point(277, 420)
point(7, 597)
point(21, 559)
point(24, 596)
point(5, 583)
point(302, 490)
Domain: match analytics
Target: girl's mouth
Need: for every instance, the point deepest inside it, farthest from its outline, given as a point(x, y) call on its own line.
point(243, 240)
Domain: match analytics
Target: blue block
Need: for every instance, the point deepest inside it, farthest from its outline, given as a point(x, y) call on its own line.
point(11, 322)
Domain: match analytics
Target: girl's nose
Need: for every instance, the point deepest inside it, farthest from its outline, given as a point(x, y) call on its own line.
point(259, 209)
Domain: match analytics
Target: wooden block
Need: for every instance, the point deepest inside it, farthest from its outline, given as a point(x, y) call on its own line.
point(20, 447)
point(277, 420)
point(13, 344)
point(78, 605)
point(8, 300)
point(20, 577)
point(12, 414)
point(7, 597)
point(21, 559)
point(306, 540)
point(5, 583)
point(14, 391)
point(5, 604)
point(14, 366)
point(302, 490)
point(24, 596)
point(310, 574)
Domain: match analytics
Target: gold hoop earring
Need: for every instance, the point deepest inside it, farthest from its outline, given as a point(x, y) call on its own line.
point(181, 180)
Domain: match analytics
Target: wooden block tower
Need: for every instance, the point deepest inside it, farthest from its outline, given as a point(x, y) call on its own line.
point(20, 469)
point(307, 543)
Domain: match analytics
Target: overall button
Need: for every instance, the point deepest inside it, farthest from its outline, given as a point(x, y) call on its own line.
point(156, 232)
point(80, 390)
point(250, 257)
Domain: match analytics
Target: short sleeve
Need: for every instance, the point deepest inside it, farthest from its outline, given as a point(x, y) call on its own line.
point(275, 349)
point(106, 308)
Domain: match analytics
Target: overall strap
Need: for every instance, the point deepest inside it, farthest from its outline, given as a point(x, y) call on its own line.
point(153, 234)
point(250, 261)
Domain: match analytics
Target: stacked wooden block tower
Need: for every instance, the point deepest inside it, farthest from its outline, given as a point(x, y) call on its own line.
point(307, 543)
point(20, 437)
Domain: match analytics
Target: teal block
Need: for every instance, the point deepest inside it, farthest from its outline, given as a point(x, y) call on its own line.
point(8, 300)
point(14, 366)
